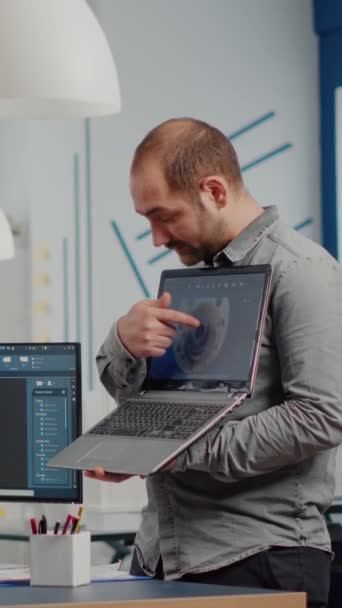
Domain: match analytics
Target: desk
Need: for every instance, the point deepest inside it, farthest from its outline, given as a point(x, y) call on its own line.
point(144, 594)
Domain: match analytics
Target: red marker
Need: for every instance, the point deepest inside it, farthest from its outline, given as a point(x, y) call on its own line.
point(33, 525)
point(66, 523)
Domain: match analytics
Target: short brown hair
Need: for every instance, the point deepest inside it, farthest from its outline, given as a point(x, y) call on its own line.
point(189, 150)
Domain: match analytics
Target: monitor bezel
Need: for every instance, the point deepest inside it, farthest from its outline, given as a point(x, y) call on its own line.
point(219, 383)
point(79, 476)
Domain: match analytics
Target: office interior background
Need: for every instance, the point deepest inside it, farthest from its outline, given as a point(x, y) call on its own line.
point(249, 67)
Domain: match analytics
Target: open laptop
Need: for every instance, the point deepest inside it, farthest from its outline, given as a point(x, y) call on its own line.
point(203, 375)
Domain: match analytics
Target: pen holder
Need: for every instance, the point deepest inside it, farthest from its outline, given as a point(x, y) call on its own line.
point(60, 559)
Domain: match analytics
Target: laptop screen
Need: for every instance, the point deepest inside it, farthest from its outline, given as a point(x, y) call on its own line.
point(230, 304)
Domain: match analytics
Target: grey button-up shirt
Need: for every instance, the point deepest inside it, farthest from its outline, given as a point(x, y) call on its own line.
point(264, 476)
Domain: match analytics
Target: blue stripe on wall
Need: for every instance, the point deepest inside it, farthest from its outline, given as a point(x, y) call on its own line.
point(130, 259)
point(65, 275)
point(251, 125)
point(307, 222)
point(267, 156)
point(159, 256)
point(89, 231)
point(77, 231)
point(143, 235)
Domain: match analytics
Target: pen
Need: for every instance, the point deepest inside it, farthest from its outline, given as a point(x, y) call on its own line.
point(66, 523)
point(56, 528)
point(75, 521)
point(44, 524)
point(33, 525)
point(79, 515)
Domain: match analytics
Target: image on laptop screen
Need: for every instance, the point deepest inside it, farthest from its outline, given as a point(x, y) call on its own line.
point(40, 413)
point(228, 307)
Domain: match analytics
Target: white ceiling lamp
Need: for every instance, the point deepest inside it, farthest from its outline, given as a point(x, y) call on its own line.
point(55, 61)
point(6, 238)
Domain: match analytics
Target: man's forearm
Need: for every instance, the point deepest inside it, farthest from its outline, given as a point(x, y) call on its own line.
point(280, 436)
point(119, 371)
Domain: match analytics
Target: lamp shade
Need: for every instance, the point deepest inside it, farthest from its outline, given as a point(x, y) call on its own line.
point(6, 238)
point(55, 61)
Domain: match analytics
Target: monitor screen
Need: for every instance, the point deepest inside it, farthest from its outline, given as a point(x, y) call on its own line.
point(40, 413)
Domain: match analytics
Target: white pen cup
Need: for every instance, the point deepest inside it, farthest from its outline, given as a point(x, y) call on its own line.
point(60, 559)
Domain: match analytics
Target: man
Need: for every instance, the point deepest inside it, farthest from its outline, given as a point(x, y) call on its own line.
point(244, 505)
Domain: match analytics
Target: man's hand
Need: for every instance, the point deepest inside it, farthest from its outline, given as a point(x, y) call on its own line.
point(147, 329)
point(101, 475)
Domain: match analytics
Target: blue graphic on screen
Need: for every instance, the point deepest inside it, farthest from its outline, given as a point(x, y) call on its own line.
point(222, 347)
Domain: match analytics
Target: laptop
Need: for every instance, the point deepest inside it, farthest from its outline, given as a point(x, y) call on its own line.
point(201, 378)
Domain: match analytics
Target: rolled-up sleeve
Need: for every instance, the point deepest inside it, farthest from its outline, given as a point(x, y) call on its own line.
point(120, 372)
point(306, 310)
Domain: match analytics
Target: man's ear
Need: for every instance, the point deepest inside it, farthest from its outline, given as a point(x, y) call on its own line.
point(217, 188)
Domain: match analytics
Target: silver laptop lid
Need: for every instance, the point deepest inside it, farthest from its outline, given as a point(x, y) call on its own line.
point(221, 354)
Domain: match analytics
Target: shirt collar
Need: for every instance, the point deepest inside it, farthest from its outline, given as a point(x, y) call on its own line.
point(250, 236)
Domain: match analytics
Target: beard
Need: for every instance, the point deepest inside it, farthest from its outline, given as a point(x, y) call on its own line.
point(208, 235)
point(189, 256)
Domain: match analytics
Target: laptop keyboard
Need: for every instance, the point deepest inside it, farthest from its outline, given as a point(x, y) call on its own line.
point(156, 420)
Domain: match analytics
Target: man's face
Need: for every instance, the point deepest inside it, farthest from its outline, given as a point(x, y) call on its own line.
point(189, 227)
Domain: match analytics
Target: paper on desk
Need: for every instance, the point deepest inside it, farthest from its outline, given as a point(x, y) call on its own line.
point(14, 574)
point(11, 573)
point(108, 572)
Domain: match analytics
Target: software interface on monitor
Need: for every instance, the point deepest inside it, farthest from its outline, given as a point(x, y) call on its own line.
point(39, 415)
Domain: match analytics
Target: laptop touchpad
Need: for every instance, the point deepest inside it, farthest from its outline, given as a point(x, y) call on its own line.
point(128, 455)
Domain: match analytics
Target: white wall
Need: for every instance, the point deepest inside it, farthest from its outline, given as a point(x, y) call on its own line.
point(229, 62)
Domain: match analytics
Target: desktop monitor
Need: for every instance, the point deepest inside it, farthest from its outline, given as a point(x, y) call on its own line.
point(40, 413)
